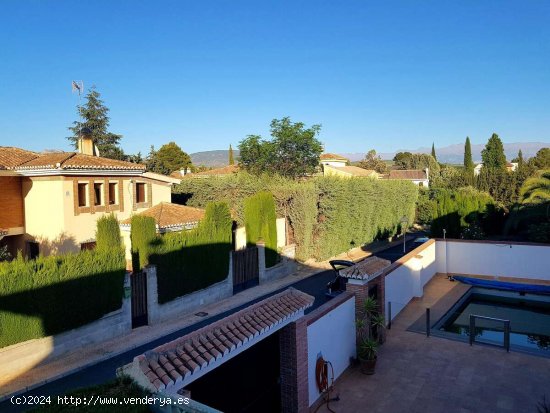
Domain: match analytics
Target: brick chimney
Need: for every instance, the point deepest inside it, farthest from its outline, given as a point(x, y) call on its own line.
point(86, 144)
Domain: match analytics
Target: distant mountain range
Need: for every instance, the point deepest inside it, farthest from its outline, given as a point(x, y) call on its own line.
point(453, 154)
point(213, 159)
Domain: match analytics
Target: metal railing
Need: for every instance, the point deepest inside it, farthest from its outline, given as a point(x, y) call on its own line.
point(506, 323)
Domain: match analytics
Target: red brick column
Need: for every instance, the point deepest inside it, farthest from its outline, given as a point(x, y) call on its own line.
point(294, 366)
point(360, 288)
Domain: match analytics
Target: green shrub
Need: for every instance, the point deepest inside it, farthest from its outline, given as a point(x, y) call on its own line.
point(458, 210)
point(260, 223)
point(107, 235)
point(143, 234)
point(53, 294)
point(327, 215)
point(426, 207)
point(539, 232)
point(192, 260)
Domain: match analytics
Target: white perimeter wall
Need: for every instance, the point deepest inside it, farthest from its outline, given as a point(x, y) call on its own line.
point(413, 271)
point(333, 337)
point(409, 277)
point(497, 259)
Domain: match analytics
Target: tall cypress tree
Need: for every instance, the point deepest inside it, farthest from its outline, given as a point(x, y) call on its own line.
point(433, 151)
point(520, 159)
point(468, 162)
point(231, 159)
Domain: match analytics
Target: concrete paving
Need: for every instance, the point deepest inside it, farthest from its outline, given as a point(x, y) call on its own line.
point(415, 373)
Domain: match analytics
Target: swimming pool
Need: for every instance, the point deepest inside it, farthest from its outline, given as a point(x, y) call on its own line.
point(529, 316)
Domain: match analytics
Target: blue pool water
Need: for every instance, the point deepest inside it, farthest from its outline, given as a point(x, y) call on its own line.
point(529, 316)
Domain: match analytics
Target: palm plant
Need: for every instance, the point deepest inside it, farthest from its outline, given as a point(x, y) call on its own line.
point(368, 349)
point(369, 326)
point(536, 189)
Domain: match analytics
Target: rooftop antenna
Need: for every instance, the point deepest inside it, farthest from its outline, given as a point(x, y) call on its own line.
point(78, 86)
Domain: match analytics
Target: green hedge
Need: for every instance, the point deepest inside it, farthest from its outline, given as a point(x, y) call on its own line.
point(353, 212)
point(53, 294)
point(457, 211)
point(107, 235)
point(297, 201)
point(327, 215)
point(143, 234)
point(192, 260)
point(261, 223)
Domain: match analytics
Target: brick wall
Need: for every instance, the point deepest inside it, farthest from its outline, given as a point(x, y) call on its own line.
point(294, 367)
point(361, 291)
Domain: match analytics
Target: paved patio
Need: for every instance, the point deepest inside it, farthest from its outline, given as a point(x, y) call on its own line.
point(420, 374)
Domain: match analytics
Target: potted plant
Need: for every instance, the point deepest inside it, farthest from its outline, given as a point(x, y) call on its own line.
point(369, 327)
point(367, 351)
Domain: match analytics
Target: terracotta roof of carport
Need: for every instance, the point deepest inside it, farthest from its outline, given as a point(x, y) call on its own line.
point(175, 361)
point(363, 270)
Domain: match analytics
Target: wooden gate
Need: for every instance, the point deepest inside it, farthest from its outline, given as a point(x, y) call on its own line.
point(139, 299)
point(245, 269)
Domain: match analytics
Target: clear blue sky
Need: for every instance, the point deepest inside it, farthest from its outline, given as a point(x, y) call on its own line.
point(383, 75)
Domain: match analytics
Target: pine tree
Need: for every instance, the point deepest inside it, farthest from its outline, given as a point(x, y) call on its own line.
point(167, 159)
point(493, 154)
point(231, 159)
point(95, 117)
point(468, 162)
point(433, 151)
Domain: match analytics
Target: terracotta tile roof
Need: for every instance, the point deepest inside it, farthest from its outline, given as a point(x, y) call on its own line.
point(332, 156)
point(354, 170)
point(73, 160)
point(226, 170)
point(11, 157)
point(179, 360)
point(46, 160)
point(80, 161)
point(412, 174)
point(168, 215)
point(368, 268)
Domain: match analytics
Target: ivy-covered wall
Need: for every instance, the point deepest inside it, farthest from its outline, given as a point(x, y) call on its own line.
point(327, 215)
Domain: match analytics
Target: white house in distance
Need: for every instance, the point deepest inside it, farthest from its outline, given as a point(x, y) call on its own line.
point(416, 176)
point(336, 165)
point(331, 159)
point(510, 167)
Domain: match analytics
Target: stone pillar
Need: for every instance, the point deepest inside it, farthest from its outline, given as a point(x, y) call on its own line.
point(127, 302)
point(294, 367)
point(261, 260)
point(152, 295)
point(281, 232)
point(229, 278)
